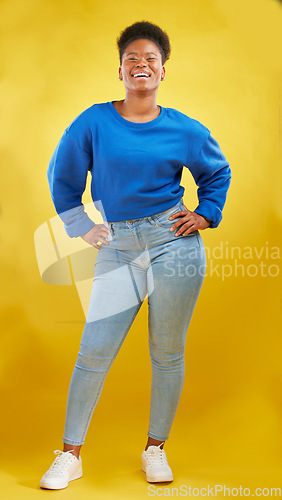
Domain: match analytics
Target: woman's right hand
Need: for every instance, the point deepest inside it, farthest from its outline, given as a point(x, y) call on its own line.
point(97, 233)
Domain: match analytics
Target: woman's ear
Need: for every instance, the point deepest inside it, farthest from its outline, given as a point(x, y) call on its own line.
point(163, 73)
point(120, 73)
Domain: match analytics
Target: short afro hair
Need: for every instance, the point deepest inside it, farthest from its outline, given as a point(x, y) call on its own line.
point(149, 31)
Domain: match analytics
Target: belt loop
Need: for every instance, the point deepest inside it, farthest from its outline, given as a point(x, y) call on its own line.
point(152, 220)
point(111, 228)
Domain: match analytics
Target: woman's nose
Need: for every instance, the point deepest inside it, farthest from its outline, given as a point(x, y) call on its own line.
point(142, 62)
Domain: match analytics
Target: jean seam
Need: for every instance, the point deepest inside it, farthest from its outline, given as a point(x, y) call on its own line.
point(73, 443)
point(182, 374)
point(156, 437)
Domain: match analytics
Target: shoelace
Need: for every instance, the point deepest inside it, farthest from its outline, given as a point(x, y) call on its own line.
point(156, 455)
point(62, 461)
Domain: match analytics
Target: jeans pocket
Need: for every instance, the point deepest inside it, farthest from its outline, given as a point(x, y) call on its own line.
point(163, 220)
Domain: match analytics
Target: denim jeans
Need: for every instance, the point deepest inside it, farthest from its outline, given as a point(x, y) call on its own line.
point(143, 258)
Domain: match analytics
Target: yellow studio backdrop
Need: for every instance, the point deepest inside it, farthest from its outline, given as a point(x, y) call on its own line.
point(58, 58)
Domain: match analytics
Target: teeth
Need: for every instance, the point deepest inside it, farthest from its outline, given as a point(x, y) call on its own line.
point(141, 74)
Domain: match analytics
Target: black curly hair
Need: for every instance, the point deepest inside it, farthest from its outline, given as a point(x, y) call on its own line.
point(144, 29)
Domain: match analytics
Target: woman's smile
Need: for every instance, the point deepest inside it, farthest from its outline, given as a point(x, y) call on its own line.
point(141, 74)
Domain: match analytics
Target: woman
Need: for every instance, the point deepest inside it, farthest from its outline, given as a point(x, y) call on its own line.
point(150, 242)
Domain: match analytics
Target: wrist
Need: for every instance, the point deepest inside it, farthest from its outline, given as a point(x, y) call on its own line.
point(208, 220)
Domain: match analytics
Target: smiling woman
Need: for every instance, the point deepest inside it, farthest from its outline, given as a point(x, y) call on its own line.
point(142, 147)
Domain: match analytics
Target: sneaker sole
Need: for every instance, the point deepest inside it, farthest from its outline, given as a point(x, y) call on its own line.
point(158, 479)
point(59, 486)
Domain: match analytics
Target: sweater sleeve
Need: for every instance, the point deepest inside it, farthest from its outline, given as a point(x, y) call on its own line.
point(212, 174)
point(67, 175)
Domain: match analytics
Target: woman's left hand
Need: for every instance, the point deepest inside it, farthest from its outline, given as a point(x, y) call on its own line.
point(189, 222)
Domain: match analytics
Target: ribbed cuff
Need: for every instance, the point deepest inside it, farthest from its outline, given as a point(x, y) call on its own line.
point(210, 211)
point(76, 222)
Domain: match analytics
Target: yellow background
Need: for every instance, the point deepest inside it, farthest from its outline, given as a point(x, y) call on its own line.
point(58, 58)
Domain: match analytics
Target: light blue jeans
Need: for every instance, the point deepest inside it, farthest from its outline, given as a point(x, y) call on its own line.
point(143, 258)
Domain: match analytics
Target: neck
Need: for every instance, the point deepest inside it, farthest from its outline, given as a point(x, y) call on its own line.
point(139, 106)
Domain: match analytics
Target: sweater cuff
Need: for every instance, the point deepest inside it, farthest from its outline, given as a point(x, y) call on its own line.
point(210, 211)
point(76, 222)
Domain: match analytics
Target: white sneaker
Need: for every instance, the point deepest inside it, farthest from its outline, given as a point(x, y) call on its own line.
point(65, 468)
point(154, 463)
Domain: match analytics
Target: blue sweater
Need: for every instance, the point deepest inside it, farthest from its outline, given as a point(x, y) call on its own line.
point(136, 167)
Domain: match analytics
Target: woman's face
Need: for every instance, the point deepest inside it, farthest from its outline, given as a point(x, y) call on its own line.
point(141, 67)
